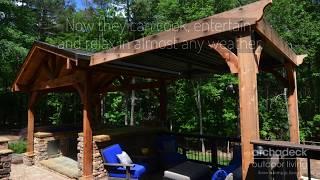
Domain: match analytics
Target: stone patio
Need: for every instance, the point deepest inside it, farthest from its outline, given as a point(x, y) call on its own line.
point(22, 172)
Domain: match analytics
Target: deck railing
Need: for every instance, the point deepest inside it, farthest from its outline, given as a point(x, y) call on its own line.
point(205, 149)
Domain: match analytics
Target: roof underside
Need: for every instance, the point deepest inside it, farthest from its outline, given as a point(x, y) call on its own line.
point(176, 53)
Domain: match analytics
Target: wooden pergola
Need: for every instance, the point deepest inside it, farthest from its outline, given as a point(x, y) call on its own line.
point(193, 50)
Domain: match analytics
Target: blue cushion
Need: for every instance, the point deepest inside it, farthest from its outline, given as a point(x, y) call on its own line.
point(220, 175)
point(235, 163)
point(110, 153)
point(136, 172)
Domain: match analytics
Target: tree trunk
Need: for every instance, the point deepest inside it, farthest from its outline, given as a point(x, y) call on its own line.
point(102, 110)
point(126, 108)
point(199, 107)
point(133, 98)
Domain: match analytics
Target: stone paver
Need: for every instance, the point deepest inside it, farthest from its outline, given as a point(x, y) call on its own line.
point(23, 172)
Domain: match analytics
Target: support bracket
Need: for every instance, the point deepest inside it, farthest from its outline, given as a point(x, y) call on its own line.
point(257, 55)
point(230, 58)
point(300, 58)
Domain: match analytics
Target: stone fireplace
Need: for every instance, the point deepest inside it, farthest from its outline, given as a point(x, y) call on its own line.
point(53, 148)
point(45, 146)
point(51, 145)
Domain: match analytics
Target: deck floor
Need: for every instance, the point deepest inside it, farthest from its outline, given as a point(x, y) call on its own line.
point(23, 172)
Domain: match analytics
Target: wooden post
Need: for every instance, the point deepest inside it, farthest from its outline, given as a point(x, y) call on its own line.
point(163, 103)
point(87, 132)
point(293, 112)
point(31, 117)
point(293, 115)
point(30, 137)
point(249, 119)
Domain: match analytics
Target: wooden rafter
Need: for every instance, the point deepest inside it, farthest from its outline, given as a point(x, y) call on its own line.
point(272, 37)
point(65, 81)
point(230, 58)
point(237, 18)
point(147, 85)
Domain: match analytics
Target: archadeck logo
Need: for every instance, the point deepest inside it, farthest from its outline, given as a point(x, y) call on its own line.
point(281, 153)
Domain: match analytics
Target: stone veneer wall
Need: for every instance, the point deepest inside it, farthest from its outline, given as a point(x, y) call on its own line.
point(28, 159)
point(5, 164)
point(99, 172)
point(5, 160)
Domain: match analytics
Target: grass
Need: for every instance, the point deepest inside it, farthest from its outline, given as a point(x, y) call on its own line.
point(18, 147)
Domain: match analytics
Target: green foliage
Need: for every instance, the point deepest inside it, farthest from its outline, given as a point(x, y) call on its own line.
point(18, 147)
point(115, 115)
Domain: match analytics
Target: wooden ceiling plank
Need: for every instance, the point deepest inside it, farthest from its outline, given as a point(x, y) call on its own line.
point(140, 86)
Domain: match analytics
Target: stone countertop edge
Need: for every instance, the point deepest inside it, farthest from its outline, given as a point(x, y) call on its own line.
point(5, 151)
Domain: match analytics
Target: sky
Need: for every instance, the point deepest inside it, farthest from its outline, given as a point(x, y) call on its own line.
point(80, 3)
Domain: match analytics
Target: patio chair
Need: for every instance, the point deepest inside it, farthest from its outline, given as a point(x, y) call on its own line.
point(115, 169)
point(168, 150)
point(233, 166)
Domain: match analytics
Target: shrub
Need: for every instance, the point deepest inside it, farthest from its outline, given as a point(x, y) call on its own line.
point(18, 147)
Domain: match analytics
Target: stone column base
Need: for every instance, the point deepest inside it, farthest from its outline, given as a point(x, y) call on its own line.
point(99, 172)
point(28, 159)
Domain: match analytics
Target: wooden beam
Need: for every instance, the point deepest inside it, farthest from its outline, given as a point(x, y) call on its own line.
point(163, 102)
point(25, 64)
point(59, 82)
point(272, 37)
point(237, 18)
point(249, 118)
point(230, 58)
point(293, 111)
